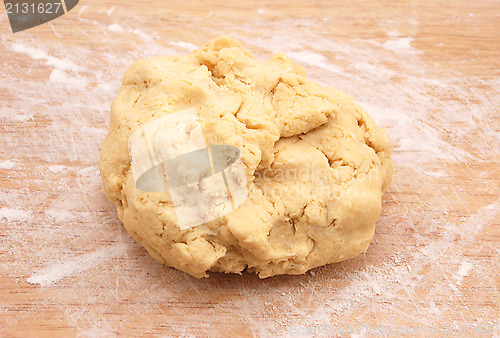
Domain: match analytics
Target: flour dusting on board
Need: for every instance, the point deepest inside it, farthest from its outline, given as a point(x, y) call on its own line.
point(399, 45)
point(116, 28)
point(15, 215)
point(8, 164)
point(63, 236)
point(187, 46)
point(71, 266)
point(39, 54)
point(463, 271)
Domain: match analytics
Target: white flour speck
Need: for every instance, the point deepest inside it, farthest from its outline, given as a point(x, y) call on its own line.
point(116, 28)
point(40, 54)
point(141, 34)
point(69, 267)
point(393, 34)
point(462, 272)
point(111, 10)
point(61, 215)
point(314, 59)
point(61, 77)
point(56, 168)
point(187, 46)
point(8, 164)
point(89, 171)
point(437, 173)
point(21, 117)
point(398, 45)
point(15, 215)
point(83, 9)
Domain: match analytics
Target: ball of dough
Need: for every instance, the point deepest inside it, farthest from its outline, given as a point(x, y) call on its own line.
point(315, 163)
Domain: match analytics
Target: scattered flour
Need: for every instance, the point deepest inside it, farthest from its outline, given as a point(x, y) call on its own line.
point(438, 173)
point(83, 9)
point(15, 215)
point(186, 46)
point(89, 171)
point(116, 28)
point(141, 34)
point(458, 277)
point(314, 59)
point(71, 266)
point(7, 164)
point(40, 54)
point(463, 271)
point(399, 45)
point(21, 117)
point(393, 34)
point(61, 77)
point(61, 215)
point(111, 10)
point(56, 168)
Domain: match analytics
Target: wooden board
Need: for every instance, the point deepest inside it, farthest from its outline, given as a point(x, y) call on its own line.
point(428, 71)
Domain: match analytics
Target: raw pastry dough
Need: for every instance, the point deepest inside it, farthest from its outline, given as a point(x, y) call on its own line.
point(316, 164)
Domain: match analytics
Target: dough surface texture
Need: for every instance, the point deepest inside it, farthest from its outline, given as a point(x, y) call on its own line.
point(316, 165)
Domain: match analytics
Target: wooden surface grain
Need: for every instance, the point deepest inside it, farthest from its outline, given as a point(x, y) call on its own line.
point(428, 71)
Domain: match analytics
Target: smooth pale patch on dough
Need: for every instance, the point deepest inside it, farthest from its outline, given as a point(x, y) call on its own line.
point(316, 164)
